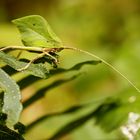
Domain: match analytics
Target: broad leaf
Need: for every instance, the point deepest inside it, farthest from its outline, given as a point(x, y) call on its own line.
point(12, 105)
point(35, 31)
point(38, 70)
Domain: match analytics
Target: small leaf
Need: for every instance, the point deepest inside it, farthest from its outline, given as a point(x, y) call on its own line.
point(38, 70)
point(35, 31)
point(12, 105)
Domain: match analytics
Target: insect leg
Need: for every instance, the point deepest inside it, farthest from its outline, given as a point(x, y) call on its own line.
point(5, 48)
point(26, 66)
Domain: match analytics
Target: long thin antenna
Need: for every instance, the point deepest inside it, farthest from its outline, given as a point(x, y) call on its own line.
point(106, 63)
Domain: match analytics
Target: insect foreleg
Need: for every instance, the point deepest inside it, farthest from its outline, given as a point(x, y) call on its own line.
point(33, 60)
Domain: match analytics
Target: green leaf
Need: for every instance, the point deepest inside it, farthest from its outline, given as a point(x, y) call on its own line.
point(12, 105)
point(35, 31)
point(38, 70)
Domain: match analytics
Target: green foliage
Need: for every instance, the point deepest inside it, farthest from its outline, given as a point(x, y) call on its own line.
point(35, 31)
point(110, 113)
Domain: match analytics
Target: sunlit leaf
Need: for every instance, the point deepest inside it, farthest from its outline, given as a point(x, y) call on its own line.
point(35, 31)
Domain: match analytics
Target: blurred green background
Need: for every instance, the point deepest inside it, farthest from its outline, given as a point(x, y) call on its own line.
point(107, 28)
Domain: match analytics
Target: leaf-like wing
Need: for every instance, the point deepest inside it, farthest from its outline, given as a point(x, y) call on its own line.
point(35, 31)
point(12, 105)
